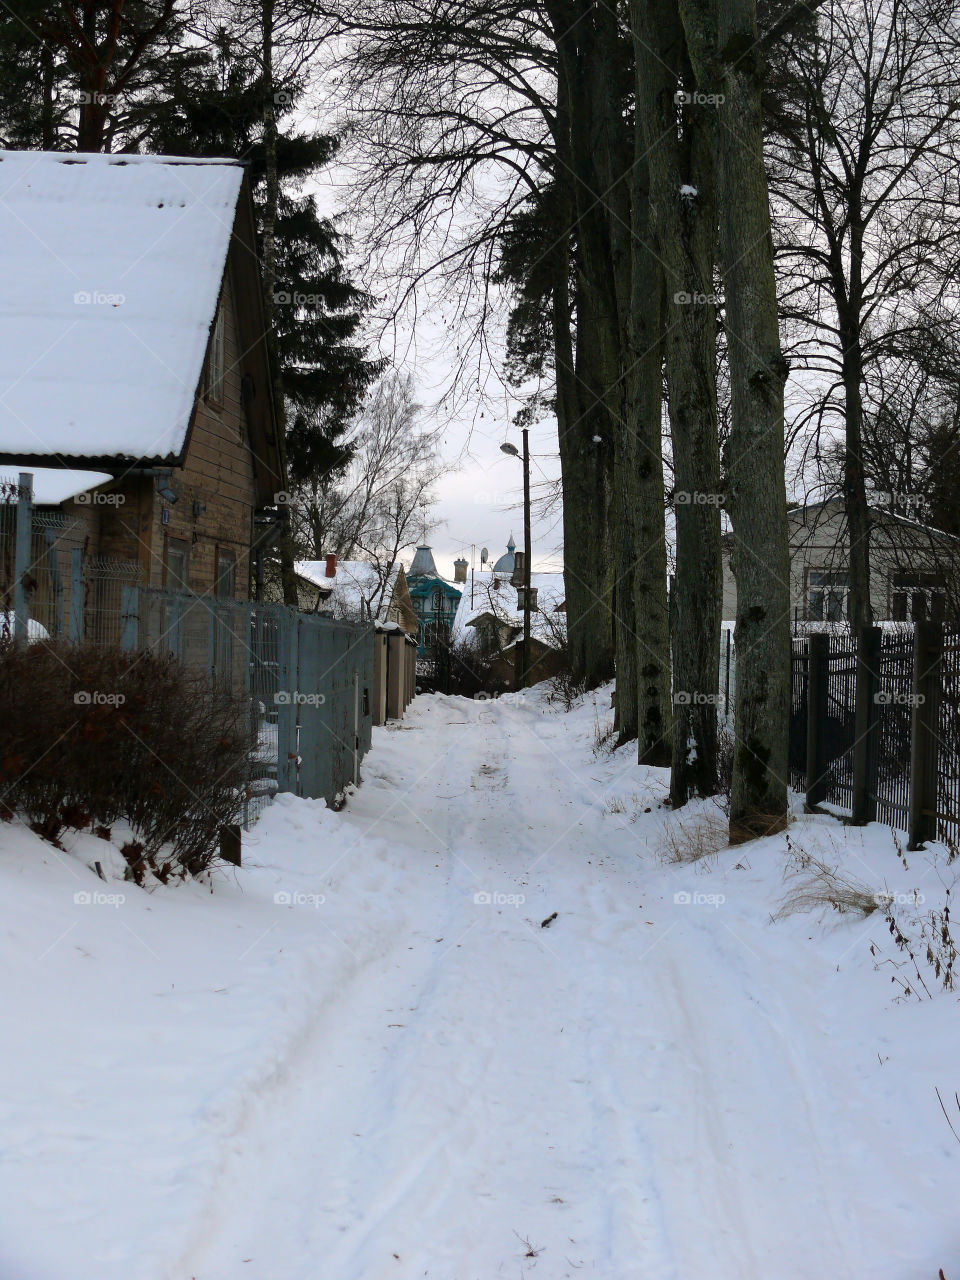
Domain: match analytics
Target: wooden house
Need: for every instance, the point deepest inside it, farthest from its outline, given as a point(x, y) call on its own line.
point(134, 376)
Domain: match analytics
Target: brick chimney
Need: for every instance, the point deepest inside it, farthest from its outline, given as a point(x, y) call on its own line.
point(516, 578)
point(460, 569)
point(331, 569)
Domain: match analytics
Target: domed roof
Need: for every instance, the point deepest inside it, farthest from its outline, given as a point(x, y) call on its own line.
point(507, 562)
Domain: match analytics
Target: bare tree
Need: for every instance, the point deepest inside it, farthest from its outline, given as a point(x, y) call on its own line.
point(726, 53)
point(379, 505)
point(863, 173)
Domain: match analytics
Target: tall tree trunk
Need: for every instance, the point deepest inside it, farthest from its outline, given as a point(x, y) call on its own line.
point(681, 139)
point(645, 402)
point(849, 303)
point(722, 40)
point(288, 577)
point(584, 463)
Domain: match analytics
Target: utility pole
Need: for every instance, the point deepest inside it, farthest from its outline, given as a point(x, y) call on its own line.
point(506, 447)
point(525, 677)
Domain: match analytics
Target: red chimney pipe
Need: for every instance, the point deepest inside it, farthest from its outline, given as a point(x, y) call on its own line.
point(331, 570)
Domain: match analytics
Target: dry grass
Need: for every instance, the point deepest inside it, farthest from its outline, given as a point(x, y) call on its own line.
point(819, 885)
point(691, 839)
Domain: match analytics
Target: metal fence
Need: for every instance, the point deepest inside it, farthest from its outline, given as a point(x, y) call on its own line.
point(309, 678)
point(875, 726)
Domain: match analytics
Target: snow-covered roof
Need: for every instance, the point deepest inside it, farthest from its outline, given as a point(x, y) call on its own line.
point(356, 591)
point(112, 266)
point(494, 594)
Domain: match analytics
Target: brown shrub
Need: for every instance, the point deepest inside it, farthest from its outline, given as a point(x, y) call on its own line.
point(90, 735)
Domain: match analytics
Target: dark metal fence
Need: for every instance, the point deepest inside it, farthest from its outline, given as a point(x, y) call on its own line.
point(309, 679)
point(875, 726)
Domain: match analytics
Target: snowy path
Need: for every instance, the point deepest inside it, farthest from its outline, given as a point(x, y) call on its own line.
point(613, 1092)
point(362, 1058)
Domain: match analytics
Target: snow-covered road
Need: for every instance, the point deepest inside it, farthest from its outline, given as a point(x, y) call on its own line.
point(648, 1088)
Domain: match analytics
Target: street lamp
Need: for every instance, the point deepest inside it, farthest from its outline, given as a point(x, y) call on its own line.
point(512, 449)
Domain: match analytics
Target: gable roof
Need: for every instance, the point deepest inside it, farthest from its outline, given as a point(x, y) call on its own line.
point(113, 266)
point(356, 590)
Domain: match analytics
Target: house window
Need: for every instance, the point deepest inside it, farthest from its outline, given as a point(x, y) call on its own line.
point(438, 601)
point(226, 574)
point(215, 361)
point(915, 597)
point(827, 596)
point(176, 564)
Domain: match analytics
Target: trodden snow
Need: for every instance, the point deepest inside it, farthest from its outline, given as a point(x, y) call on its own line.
point(362, 1056)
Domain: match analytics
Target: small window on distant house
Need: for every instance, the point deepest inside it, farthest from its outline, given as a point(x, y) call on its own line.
point(215, 361)
point(226, 574)
point(176, 564)
point(438, 601)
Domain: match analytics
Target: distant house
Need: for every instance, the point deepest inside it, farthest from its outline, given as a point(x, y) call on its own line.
point(435, 600)
point(361, 592)
point(912, 566)
point(134, 379)
point(489, 619)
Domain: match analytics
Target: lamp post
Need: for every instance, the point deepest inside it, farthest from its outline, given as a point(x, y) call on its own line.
point(512, 450)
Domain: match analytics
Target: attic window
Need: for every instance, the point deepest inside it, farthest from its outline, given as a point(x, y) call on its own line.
point(215, 362)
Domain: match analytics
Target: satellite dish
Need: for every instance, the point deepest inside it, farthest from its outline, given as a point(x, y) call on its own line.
point(484, 555)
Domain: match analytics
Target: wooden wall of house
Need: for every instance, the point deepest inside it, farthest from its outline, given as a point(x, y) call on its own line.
point(217, 474)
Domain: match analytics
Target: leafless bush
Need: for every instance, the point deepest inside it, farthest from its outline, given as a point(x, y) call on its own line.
point(91, 736)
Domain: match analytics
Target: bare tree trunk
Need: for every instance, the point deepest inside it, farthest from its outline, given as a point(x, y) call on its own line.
point(288, 577)
point(725, 38)
point(581, 415)
point(848, 303)
point(645, 400)
point(683, 205)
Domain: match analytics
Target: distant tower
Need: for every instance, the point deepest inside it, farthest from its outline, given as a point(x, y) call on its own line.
point(507, 562)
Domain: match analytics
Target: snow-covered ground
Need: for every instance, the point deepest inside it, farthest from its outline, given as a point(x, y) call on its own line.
point(363, 1057)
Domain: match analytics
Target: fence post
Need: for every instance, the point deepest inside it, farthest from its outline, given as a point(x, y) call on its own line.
point(21, 602)
point(864, 808)
point(285, 701)
point(924, 726)
point(130, 618)
point(818, 668)
point(76, 595)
